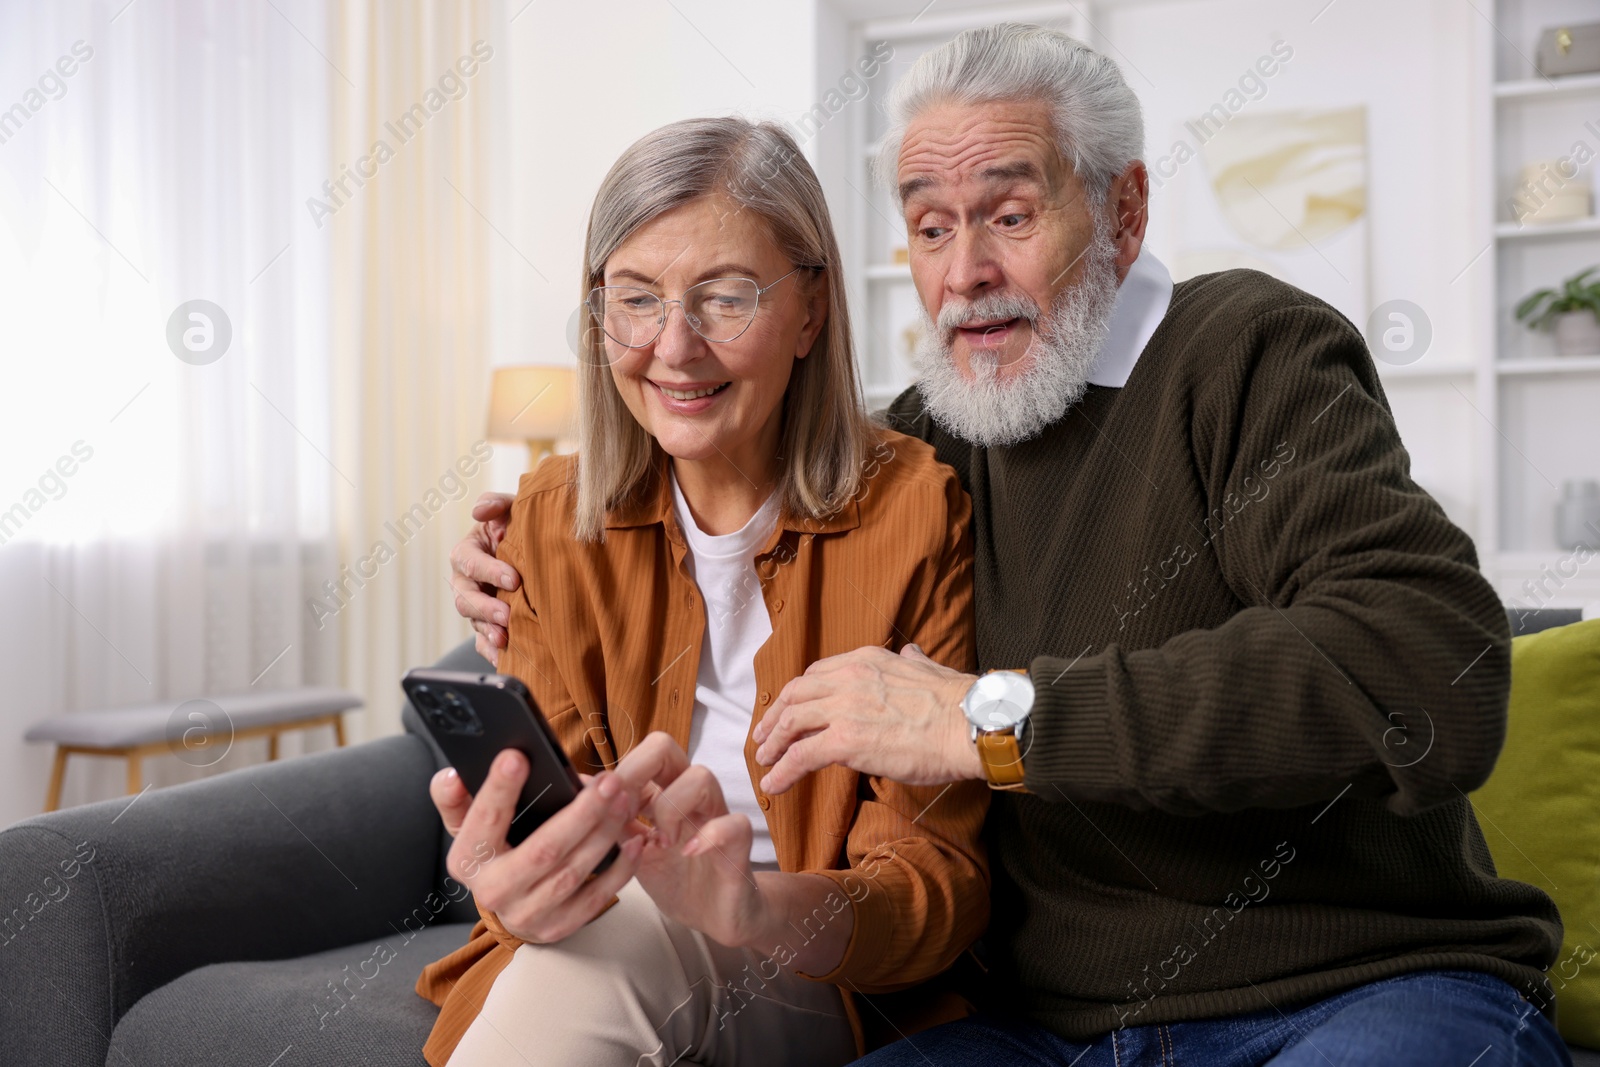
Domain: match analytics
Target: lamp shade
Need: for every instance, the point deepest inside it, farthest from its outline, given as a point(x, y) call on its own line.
point(532, 403)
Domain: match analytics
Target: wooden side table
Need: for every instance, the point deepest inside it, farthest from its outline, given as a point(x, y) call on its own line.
point(198, 731)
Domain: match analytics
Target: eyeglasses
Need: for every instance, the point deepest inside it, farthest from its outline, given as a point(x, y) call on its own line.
point(719, 310)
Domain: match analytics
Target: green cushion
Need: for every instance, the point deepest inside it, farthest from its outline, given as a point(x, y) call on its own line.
point(1540, 809)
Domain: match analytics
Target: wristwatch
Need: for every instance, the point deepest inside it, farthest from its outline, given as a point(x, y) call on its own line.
point(997, 707)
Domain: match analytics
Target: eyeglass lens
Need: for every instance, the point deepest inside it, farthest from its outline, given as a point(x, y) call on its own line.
point(718, 310)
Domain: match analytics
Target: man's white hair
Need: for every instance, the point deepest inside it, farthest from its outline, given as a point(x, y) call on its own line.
point(1099, 125)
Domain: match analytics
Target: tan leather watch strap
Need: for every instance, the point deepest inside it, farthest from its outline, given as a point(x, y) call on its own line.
point(1002, 760)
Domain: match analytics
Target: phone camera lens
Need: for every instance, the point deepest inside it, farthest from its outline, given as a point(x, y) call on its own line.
point(458, 712)
point(435, 710)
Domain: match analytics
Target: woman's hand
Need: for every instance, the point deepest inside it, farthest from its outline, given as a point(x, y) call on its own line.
point(542, 890)
point(696, 867)
point(696, 859)
point(475, 574)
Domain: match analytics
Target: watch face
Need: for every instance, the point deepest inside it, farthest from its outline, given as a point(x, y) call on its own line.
point(999, 700)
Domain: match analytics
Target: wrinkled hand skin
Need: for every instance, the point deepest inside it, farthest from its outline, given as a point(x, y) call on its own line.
point(696, 865)
point(696, 859)
point(541, 891)
point(892, 716)
point(475, 575)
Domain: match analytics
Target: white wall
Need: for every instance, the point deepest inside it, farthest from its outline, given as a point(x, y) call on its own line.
point(587, 80)
point(1410, 64)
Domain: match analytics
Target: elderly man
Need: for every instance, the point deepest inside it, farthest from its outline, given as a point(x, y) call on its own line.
point(1242, 671)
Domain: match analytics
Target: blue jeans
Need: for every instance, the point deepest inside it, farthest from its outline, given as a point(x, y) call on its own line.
point(1426, 1019)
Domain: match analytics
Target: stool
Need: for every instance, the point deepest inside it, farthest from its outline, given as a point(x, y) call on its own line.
point(132, 733)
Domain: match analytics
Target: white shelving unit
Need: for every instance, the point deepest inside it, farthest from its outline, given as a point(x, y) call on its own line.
point(1547, 88)
point(1541, 412)
point(1517, 231)
point(1546, 367)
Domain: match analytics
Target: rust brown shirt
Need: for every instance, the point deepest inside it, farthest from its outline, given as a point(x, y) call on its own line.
point(607, 637)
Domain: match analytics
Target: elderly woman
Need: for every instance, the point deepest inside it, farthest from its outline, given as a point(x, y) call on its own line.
point(731, 517)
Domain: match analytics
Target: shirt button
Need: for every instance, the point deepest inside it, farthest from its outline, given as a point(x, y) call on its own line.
point(764, 800)
point(777, 605)
point(674, 696)
point(766, 698)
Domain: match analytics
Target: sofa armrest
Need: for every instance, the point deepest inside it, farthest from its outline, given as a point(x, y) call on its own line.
point(101, 904)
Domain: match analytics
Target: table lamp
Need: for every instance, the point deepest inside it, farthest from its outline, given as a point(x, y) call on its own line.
point(532, 404)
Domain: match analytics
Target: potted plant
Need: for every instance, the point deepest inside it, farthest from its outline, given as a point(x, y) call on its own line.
point(1572, 313)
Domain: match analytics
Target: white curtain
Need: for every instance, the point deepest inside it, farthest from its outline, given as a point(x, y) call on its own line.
point(181, 518)
point(418, 220)
point(164, 521)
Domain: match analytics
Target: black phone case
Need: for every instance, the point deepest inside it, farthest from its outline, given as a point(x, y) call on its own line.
point(474, 717)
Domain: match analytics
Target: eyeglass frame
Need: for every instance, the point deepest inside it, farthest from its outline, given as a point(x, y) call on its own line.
point(661, 323)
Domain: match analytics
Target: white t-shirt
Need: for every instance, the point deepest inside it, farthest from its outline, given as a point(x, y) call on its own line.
point(737, 625)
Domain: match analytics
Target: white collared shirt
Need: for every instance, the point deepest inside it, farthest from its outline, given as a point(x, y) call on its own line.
point(1142, 302)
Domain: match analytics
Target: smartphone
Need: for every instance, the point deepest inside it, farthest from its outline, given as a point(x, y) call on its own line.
point(475, 717)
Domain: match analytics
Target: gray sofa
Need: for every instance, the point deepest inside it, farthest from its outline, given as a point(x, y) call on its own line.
point(237, 920)
point(234, 920)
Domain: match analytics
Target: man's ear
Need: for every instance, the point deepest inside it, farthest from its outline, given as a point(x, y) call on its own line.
point(816, 314)
point(1129, 199)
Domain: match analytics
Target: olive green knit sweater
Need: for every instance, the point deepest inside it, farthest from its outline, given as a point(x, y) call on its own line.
point(1268, 673)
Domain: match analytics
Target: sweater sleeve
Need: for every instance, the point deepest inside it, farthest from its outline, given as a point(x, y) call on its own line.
point(1367, 652)
point(918, 877)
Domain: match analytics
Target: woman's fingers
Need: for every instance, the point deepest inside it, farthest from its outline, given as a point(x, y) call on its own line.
point(543, 888)
point(727, 835)
point(613, 829)
point(482, 830)
point(556, 858)
point(658, 758)
point(450, 796)
point(692, 800)
point(545, 879)
point(587, 902)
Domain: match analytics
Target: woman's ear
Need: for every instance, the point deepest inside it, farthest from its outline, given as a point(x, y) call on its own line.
point(816, 315)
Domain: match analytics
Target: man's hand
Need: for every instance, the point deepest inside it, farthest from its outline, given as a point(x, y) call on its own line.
point(475, 575)
point(696, 860)
point(541, 891)
point(893, 716)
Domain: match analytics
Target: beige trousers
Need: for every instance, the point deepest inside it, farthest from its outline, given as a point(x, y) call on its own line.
point(636, 989)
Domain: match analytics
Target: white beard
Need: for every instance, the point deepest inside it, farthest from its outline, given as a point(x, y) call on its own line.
point(992, 413)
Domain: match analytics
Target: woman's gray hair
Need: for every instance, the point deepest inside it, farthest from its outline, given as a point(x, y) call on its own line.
point(1098, 121)
point(755, 167)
